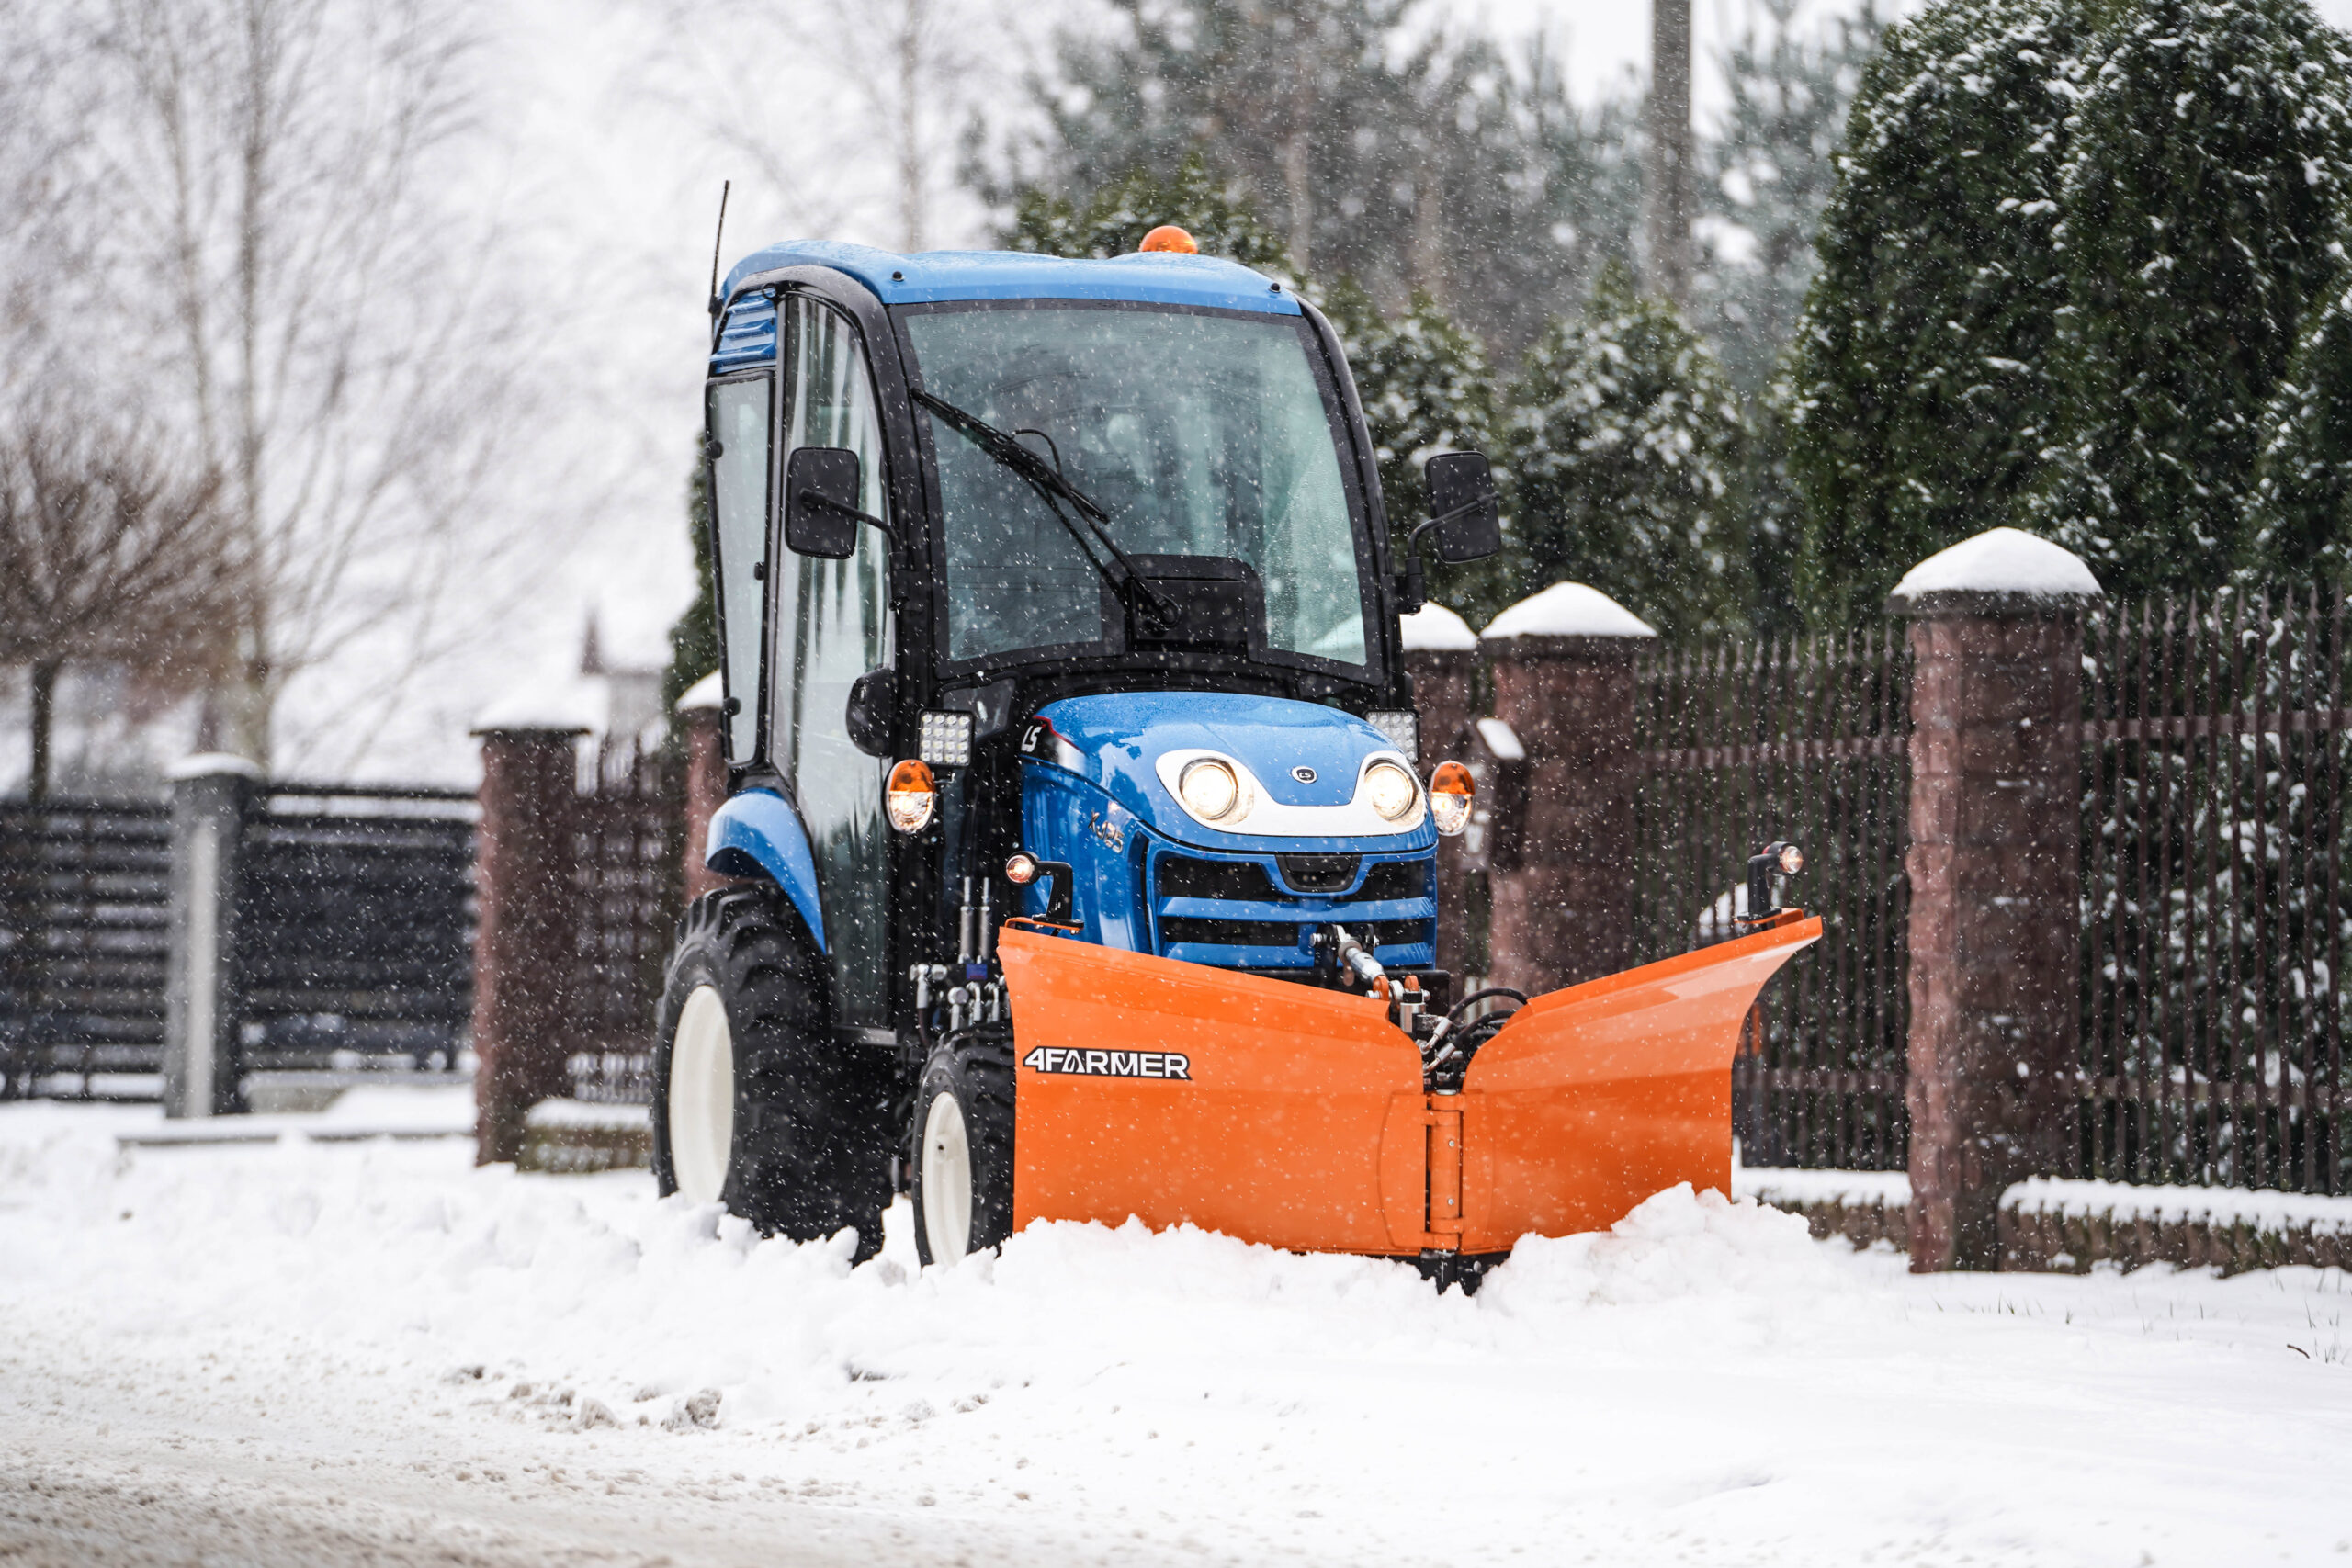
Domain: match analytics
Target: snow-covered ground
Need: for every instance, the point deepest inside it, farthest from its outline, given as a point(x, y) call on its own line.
point(322, 1352)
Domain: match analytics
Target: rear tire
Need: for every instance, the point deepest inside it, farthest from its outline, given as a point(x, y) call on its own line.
point(962, 1139)
point(755, 1104)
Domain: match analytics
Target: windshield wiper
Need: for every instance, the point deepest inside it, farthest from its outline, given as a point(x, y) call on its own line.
point(1054, 490)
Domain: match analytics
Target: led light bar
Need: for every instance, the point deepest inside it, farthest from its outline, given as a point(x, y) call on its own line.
point(946, 739)
point(1403, 728)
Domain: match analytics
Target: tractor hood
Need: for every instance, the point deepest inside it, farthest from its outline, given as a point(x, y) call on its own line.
point(1301, 767)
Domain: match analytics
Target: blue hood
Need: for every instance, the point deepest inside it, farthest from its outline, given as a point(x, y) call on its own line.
point(1115, 742)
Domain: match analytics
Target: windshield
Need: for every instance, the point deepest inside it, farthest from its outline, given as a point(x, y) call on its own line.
point(1197, 433)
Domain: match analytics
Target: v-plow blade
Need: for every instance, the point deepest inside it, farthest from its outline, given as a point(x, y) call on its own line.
point(1297, 1117)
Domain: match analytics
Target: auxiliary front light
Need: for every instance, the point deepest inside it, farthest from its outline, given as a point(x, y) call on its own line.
point(1392, 790)
point(1211, 790)
point(946, 739)
point(1402, 726)
point(910, 796)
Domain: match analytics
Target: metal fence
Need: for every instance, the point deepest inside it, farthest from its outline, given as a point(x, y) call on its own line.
point(355, 935)
point(356, 927)
point(1805, 740)
point(2215, 913)
point(85, 907)
point(627, 867)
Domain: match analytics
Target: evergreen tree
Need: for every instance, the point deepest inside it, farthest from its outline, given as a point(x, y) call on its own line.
point(1624, 445)
point(1114, 220)
point(1306, 105)
point(2301, 512)
point(1377, 149)
point(694, 636)
point(1922, 403)
point(1765, 175)
point(1425, 390)
point(2201, 200)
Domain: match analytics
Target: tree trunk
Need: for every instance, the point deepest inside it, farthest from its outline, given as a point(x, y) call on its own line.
point(1665, 173)
point(44, 706)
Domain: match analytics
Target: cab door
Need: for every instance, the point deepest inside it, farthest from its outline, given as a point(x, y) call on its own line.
point(833, 625)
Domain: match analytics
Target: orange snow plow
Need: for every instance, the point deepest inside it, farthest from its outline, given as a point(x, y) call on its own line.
point(1297, 1117)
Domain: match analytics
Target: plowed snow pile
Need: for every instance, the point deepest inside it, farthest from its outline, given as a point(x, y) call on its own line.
point(379, 1326)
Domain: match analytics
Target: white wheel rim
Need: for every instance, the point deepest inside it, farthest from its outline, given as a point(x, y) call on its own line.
point(701, 1097)
point(946, 1180)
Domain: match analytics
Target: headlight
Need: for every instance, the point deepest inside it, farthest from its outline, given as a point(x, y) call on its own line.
point(910, 796)
point(1210, 790)
point(1392, 790)
point(1452, 794)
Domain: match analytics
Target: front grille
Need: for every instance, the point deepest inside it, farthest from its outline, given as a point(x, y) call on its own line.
point(1319, 873)
point(1253, 905)
point(1182, 876)
point(1175, 929)
point(1397, 879)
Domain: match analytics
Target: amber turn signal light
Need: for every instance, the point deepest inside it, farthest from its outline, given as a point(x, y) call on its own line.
point(1167, 237)
point(910, 796)
point(1452, 794)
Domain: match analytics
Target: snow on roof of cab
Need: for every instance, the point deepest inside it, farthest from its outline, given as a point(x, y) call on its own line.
point(1433, 628)
point(1158, 276)
point(1567, 609)
point(2001, 561)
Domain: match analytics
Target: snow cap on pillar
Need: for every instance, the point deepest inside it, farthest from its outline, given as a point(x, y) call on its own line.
point(211, 764)
point(1433, 628)
point(561, 705)
point(2000, 572)
point(710, 692)
point(1567, 610)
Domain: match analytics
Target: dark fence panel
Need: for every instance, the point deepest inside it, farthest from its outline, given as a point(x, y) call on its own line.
point(355, 929)
point(628, 848)
point(355, 935)
point(85, 907)
point(1743, 743)
point(2215, 763)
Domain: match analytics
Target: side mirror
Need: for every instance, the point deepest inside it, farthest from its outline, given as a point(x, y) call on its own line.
point(821, 513)
point(873, 703)
point(1463, 507)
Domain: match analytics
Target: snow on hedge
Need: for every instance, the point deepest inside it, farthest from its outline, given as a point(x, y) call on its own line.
point(2002, 561)
point(1567, 609)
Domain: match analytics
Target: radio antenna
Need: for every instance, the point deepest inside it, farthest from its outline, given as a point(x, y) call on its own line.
point(716, 240)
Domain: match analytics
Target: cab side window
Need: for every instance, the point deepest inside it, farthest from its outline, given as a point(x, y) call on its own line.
point(741, 474)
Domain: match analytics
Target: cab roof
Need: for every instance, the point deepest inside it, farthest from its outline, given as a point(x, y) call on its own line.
point(1158, 277)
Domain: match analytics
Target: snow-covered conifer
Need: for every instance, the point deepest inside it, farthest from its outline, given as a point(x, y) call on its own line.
point(1425, 390)
point(2301, 512)
point(1113, 220)
point(2203, 193)
point(1624, 441)
point(1922, 397)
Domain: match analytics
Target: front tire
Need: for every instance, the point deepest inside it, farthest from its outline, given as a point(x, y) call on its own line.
point(962, 1139)
point(755, 1104)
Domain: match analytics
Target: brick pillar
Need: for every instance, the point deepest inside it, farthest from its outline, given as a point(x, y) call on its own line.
point(1441, 655)
point(705, 791)
point(530, 928)
point(1563, 667)
point(1994, 872)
